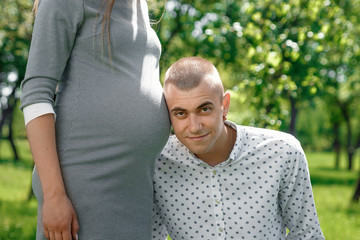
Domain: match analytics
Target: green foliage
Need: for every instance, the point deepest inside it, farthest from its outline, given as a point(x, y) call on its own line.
point(276, 57)
point(312, 118)
point(15, 33)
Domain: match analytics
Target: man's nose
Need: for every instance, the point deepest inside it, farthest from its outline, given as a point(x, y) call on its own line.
point(194, 124)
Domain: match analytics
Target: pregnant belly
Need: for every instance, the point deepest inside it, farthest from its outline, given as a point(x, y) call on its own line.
point(112, 124)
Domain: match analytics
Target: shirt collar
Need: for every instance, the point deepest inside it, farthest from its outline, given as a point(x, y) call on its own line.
point(234, 154)
point(237, 148)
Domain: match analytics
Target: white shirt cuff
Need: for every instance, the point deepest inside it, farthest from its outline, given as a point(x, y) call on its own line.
point(36, 110)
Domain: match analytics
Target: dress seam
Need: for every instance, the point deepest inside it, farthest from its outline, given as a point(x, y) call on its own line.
point(74, 111)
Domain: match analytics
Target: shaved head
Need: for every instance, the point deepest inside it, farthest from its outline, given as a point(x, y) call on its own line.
point(188, 73)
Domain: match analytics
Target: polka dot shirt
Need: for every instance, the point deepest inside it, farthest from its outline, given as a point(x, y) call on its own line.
point(262, 190)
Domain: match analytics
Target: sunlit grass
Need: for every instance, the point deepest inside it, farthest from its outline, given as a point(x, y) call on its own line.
point(333, 190)
point(17, 213)
point(339, 219)
point(18, 219)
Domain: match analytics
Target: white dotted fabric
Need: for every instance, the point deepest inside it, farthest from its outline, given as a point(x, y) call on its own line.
point(262, 189)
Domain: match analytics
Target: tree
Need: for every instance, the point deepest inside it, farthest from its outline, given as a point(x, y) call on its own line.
point(15, 34)
point(276, 57)
point(339, 70)
point(272, 46)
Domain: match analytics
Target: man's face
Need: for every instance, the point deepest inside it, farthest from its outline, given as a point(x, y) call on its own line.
point(197, 117)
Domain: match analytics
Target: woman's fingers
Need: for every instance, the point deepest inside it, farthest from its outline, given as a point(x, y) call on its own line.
point(46, 233)
point(58, 216)
point(74, 227)
point(58, 236)
point(66, 236)
point(51, 235)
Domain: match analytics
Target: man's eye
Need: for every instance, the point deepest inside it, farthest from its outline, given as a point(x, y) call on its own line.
point(205, 109)
point(179, 114)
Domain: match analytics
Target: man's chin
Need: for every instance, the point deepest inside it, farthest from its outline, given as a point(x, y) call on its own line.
point(196, 147)
point(196, 151)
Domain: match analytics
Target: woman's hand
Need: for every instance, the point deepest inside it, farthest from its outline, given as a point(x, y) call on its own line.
point(59, 219)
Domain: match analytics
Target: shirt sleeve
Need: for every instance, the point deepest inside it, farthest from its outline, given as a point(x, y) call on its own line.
point(36, 110)
point(55, 28)
point(158, 228)
point(297, 201)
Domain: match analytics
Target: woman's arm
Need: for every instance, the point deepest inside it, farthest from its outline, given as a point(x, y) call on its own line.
point(59, 217)
point(55, 30)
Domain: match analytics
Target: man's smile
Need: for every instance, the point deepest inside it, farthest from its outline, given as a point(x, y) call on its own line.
point(198, 138)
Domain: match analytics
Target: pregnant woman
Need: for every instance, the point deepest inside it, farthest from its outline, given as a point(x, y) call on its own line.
point(95, 145)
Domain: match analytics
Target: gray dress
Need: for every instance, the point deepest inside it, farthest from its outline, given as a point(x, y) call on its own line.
point(111, 118)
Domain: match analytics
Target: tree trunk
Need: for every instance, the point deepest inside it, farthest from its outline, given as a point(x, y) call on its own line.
point(356, 197)
point(10, 137)
point(337, 144)
point(294, 111)
point(349, 147)
point(6, 119)
point(30, 191)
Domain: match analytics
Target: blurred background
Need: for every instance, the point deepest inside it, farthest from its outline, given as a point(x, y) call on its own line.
point(289, 65)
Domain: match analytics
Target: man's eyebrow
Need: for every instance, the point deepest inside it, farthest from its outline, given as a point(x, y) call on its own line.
point(205, 104)
point(176, 109)
point(180, 109)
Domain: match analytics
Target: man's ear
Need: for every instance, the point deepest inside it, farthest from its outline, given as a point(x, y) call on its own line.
point(226, 104)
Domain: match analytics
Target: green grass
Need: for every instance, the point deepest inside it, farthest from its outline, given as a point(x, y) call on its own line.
point(332, 188)
point(17, 213)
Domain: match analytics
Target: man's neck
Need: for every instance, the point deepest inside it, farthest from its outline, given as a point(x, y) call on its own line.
point(222, 151)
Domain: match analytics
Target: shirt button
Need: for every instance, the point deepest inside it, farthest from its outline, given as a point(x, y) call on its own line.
point(221, 229)
point(217, 201)
point(214, 172)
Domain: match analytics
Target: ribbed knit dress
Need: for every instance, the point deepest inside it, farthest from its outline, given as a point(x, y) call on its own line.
point(111, 117)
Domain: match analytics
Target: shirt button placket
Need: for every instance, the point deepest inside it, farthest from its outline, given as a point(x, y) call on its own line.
point(217, 205)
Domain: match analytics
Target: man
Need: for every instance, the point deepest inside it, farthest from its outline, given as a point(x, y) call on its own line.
point(217, 180)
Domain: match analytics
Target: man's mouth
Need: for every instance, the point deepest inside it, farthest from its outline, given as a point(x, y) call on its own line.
point(198, 138)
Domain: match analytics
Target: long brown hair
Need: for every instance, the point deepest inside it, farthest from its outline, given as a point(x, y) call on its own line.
point(35, 7)
point(105, 20)
point(106, 24)
point(106, 17)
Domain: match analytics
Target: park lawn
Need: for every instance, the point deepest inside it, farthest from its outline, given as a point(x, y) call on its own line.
point(17, 214)
point(332, 191)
